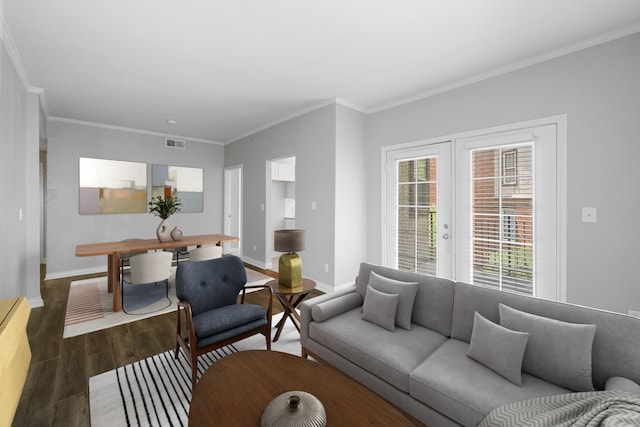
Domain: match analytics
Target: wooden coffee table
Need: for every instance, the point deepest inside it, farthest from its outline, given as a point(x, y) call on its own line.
point(235, 390)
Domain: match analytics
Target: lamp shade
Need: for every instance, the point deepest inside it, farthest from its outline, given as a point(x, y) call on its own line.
point(289, 240)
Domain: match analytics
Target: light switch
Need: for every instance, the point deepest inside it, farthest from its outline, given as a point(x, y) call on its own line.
point(313, 206)
point(588, 214)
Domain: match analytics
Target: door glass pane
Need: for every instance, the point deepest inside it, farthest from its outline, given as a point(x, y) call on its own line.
point(417, 215)
point(502, 218)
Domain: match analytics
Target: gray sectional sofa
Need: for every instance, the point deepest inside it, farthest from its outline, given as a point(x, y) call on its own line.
point(462, 354)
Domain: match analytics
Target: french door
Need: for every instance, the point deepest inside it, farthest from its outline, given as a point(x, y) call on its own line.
point(418, 217)
point(502, 190)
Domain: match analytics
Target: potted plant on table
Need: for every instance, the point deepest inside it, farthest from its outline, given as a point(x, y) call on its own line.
point(165, 206)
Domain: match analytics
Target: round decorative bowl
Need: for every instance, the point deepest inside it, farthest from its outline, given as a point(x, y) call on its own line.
point(294, 409)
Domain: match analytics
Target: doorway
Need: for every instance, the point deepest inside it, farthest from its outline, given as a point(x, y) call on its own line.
point(233, 208)
point(280, 202)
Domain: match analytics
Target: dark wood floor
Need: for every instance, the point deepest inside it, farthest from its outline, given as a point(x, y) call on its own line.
point(56, 392)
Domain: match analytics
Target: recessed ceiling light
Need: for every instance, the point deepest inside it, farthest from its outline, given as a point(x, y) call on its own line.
point(172, 121)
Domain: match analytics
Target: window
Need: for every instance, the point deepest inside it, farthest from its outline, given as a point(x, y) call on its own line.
point(417, 215)
point(509, 168)
point(502, 220)
point(508, 224)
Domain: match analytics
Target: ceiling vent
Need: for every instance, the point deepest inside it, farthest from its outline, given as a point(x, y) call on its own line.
point(174, 143)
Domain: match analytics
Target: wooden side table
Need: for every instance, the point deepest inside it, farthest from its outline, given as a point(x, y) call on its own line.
point(290, 298)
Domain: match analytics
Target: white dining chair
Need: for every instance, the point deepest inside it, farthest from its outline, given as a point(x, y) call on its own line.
point(205, 252)
point(147, 268)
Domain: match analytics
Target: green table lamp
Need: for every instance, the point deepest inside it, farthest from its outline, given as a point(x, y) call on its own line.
point(290, 264)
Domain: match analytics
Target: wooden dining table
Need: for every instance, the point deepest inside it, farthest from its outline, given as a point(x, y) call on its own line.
point(113, 251)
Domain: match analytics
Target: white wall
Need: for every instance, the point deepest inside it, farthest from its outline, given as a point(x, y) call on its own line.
point(599, 90)
point(67, 142)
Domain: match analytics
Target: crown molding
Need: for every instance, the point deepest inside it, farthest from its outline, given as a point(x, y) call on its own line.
point(280, 120)
point(351, 105)
point(43, 99)
point(132, 130)
point(566, 50)
point(12, 51)
point(299, 113)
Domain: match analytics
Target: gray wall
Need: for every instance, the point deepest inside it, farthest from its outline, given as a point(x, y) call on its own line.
point(13, 100)
point(350, 195)
point(67, 228)
point(311, 139)
point(19, 139)
point(599, 90)
point(328, 144)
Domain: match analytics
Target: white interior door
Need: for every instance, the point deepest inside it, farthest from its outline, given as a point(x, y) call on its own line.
point(233, 208)
point(418, 209)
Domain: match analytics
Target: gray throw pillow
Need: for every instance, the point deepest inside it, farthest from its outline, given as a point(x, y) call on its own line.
point(498, 348)
point(407, 292)
point(380, 308)
point(558, 352)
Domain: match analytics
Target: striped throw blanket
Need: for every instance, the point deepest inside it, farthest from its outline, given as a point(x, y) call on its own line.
point(588, 409)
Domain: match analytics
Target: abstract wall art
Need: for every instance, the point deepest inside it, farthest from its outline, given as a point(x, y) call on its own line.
point(188, 183)
point(112, 186)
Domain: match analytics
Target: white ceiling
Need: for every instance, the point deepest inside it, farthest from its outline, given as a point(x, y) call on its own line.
point(224, 69)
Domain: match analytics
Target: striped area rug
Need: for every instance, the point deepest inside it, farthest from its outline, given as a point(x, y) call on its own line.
point(84, 304)
point(156, 391)
point(152, 392)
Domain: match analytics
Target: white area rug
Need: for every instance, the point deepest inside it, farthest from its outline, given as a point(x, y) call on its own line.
point(157, 391)
point(90, 306)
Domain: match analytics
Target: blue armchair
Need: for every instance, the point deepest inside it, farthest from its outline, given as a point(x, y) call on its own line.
point(208, 292)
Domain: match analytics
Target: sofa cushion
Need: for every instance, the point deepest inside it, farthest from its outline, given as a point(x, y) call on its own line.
point(380, 308)
point(225, 318)
point(327, 309)
point(434, 299)
point(390, 356)
point(465, 390)
point(498, 348)
point(622, 384)
point(615, 345)
point(559, 352)
point(406, 290)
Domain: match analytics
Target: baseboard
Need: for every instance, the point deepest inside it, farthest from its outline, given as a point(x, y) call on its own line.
point(259, 264)
point(73, 273)
point(35, 302)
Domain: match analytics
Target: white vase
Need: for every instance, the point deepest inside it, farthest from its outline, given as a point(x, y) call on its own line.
point(163, 231)
point(176, 234)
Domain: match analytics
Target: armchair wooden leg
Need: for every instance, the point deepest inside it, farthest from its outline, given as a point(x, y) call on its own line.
point(194, 376)
point(194, 370)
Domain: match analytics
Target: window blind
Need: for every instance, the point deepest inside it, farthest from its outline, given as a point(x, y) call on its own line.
point(502, 244)
point(417, 215)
